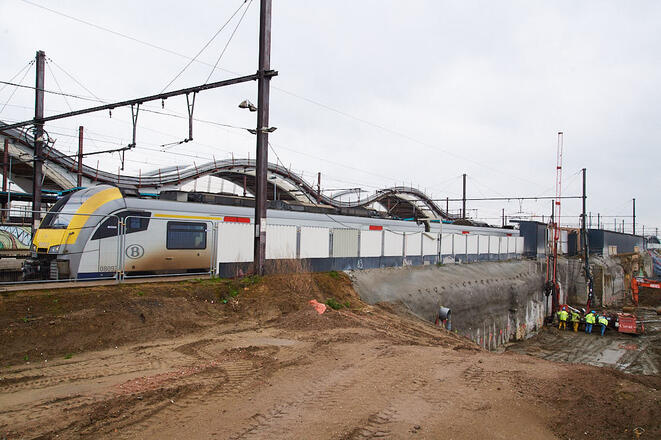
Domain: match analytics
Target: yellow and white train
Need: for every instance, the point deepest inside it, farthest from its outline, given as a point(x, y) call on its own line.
point(99, 232)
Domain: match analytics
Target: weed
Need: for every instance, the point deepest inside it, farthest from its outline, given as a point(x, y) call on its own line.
point(334, 274)
point(26, 358)
point(334, 304)
point(55, 301)
point(140, 293)
point(250, 280)
point(68, 356)
point(234, 292)
point(347, 304)
point(25, 319)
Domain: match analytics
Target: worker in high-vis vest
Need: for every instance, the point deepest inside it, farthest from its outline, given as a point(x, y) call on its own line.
point(562, 318)
point(589, 320)
point(575, 320)
point(603, 322)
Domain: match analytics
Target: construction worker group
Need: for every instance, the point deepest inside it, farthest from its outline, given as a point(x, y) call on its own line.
point(567, 313)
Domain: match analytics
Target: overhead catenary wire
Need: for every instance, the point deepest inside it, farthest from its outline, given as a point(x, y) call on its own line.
point(312, 101)
point(27, 66)
point(53, 92)
point(13, 91)
point(213, 69)
point(193, 59)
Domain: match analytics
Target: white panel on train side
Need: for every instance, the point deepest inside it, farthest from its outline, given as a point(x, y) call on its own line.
point(459, 244)
point(494, 244)
point(483, 244)
point(511, 245)
point(315, 242)
point(393, 244)
point(108, 250)
point(429, 244)
point(235, 242)
point(345, 242)
point(413, 243)
point(471, 244)
point(89, 262)
point(446, 244)
point(519, 245)
point(370, 243)
point(280, 241)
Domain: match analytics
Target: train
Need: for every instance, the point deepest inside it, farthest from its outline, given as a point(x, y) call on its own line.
point(101, 231)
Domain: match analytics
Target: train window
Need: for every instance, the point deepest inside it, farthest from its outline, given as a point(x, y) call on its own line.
point(53, 214)
point(137, 221)
point(108, 228)
point(186, 235)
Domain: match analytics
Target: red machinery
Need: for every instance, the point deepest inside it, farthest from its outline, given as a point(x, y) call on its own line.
point(637, 282)
point(628, 323)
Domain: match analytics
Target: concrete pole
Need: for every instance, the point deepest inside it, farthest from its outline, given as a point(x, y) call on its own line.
point(318, 187)
point(80, 157)
point(263, 94)
point(634, 216)
point(463, 199)
point(37, 171)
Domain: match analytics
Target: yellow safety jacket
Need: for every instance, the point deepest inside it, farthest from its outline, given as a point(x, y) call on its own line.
point(603, 320)
point(589, 318)
point(575, 317)
point(562, 315)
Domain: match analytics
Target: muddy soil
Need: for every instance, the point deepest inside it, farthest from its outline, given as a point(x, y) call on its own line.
point(164, 361)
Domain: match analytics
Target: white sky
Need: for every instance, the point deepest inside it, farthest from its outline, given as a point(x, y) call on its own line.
point(374, 93)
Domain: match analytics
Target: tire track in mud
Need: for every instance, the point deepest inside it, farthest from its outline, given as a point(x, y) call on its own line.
point(376, 426)
point(174, 404)
point(274, 422)
point(325, 395)
point(44, 376)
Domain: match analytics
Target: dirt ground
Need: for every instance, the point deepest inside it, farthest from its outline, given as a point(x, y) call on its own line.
point(252, 359)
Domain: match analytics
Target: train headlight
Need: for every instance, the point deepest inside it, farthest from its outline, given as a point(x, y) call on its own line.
point(54, 249)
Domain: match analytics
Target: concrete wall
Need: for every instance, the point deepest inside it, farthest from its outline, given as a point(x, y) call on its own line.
point(612, 277)
point(491, 302)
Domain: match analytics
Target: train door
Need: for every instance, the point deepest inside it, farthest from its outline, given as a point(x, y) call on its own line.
point(108, 238)
point(140, 242)
point(188, 245)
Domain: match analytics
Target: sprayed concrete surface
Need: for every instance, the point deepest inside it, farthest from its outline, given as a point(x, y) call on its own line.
point(492, 303)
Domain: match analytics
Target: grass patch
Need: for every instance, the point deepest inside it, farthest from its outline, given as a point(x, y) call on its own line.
point(140, 293)
point(334, 304)
point(250, 280)
point(68, 356)
point(334, 274)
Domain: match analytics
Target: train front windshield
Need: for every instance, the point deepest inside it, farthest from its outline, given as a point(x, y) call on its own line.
point(61, 214)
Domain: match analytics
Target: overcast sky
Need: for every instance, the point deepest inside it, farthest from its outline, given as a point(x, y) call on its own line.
point(372, 93)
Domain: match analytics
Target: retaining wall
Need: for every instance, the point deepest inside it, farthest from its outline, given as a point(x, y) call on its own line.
point(491, 302)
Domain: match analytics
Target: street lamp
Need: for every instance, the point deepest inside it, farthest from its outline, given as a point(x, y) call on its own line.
point(262, 130)
point(249, 105)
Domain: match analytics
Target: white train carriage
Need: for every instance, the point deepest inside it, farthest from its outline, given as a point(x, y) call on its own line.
point(100, 233)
